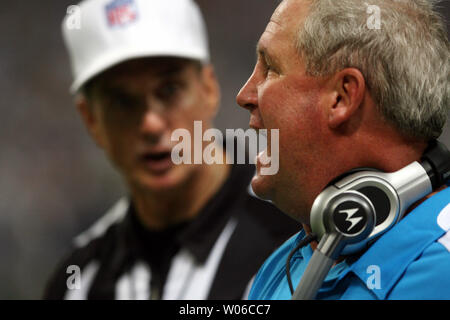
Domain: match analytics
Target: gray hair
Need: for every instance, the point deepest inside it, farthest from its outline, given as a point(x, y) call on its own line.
point(405, 62)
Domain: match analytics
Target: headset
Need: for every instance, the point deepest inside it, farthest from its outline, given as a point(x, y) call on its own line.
point(359, 206)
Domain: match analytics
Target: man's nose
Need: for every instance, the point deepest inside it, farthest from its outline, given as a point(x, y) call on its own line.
point(153, 121)
point(248, 95)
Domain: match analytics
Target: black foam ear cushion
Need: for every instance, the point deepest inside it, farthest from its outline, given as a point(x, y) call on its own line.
point(436, 161)
point(377, 196)
point(380, 202)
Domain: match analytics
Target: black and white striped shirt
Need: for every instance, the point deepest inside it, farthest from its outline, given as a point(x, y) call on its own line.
point(212, 257)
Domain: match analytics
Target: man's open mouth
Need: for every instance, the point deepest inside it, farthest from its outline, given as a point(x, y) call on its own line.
point(158, 162)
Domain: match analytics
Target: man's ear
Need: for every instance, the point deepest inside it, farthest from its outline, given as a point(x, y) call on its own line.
point(349, 87)
point(211, 89)
point(90, 118)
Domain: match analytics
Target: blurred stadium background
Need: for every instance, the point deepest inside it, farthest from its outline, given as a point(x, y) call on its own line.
point(54, 182)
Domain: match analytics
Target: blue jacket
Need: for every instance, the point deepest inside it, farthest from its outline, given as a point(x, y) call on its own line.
point(410, 261)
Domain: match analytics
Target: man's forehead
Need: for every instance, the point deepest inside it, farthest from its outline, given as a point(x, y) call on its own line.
point(289, 14)
point(285, 20)
point(143, 71)
point(156, 66)
point(153, 69)
point(274, 32)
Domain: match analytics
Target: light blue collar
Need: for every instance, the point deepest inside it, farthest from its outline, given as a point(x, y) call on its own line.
point(401, 245)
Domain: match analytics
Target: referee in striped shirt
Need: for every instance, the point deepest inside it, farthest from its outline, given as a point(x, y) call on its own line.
point(141, 70)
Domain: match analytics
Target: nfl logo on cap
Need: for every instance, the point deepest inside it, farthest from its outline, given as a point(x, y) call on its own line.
point(121, 12)
point(114, 31)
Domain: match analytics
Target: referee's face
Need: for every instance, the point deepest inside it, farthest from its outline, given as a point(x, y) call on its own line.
point(133, 109)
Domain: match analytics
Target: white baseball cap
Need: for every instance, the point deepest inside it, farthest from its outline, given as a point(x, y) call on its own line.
point(100, 34)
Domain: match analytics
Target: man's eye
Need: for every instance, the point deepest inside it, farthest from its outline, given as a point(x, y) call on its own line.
point(124, 101)
point(268, 68)
point(169, 90)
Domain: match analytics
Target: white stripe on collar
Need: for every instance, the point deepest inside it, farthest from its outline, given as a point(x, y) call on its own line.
point(112, 216)
point(86, 278)
point(134, 285)
point(443, 220)
point(189, 281)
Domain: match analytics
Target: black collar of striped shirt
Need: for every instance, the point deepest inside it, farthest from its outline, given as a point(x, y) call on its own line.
point(199, 235)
